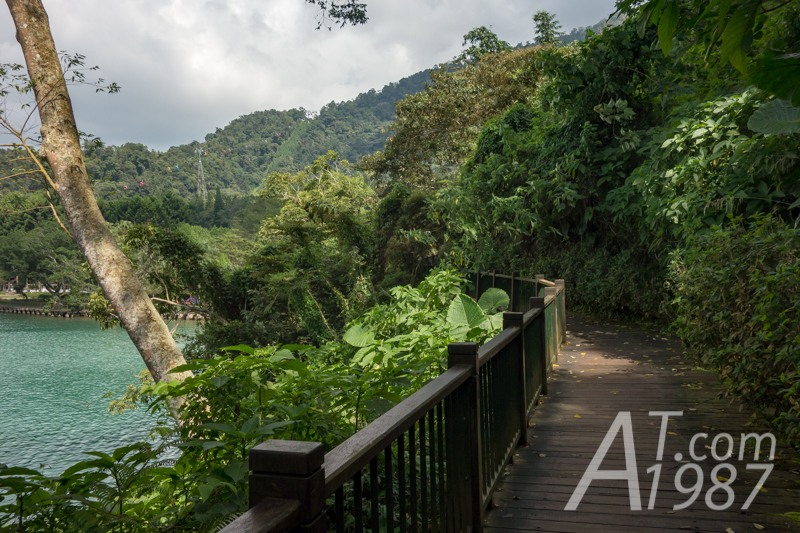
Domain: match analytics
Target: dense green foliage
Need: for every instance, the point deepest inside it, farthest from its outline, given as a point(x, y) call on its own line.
point(436, 129)
point(35, 250)
point(740, 29)
point(738, 307)
point(167, 210)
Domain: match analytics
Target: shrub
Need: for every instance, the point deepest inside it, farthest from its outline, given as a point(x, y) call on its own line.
point(738, 309)
point(626, 283)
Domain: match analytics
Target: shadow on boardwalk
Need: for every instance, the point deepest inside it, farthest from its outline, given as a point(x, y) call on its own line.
point(606, 368)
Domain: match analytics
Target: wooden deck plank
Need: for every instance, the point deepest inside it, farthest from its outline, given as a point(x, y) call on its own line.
point(608, 368)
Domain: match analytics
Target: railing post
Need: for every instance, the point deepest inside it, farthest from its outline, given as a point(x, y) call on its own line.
point(469, 446)
point(537, 302)
point(562, 298)
point(538, 277)
point(494, 278)
point(291, 470)
point(515, 320)
point(513, 300)
point(553, 291)
point(477, 283)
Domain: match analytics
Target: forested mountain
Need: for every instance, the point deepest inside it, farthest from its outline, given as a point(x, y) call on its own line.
point(239, 156)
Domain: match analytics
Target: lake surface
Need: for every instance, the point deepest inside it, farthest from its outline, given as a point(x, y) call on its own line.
point(53, 375)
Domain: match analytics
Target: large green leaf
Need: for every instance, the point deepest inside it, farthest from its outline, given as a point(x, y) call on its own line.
point(464, 311)
point(492, 299)
point(239, 348)
point(359, 336)
point(666, 26)
point(775, 117)
point(777, 74)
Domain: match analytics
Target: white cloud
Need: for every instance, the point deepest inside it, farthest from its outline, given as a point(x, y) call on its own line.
point(186, 67)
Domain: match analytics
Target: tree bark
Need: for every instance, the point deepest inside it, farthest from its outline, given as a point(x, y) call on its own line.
point(62, 150)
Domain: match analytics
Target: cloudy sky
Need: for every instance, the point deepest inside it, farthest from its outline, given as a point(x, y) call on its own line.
point(187, 67)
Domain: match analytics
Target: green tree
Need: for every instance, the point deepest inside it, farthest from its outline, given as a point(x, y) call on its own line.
point(436, 129)
point(482, 41)
point(313, 271)
point(218, 205)
point(547, 27)
point(44, 254)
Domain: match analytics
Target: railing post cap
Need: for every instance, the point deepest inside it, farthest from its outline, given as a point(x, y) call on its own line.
point(538, 276)
point(462, 348)
point(512, 319)
point(463, 353)
point(292, 457)
point(559, 282)
point(550, 290)
point(536, 302)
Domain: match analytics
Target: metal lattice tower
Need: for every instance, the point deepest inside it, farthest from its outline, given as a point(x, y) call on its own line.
point(201, 178)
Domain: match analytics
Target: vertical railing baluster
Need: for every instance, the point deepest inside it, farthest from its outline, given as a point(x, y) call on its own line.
point(453, 470)
point(412, 449)
point(423, 476)
point(374, 491)
point(358, 503)
point(340, 510)
point(441, 469)
point(401, 481)
point(491, 416)
point(485, 418)
point(389, 484)
point(432, 450)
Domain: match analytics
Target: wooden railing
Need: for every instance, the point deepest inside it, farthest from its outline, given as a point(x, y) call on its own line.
point(432, 462)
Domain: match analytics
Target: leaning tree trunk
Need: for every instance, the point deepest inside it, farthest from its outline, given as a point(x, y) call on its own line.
point(62, 150)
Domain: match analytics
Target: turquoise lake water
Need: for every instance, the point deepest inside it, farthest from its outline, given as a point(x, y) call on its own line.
point(53, 374)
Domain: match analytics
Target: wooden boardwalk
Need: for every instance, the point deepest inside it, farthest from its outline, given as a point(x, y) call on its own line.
point(606, 368)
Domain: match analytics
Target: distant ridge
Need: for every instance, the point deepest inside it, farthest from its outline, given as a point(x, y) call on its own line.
point(239, 156)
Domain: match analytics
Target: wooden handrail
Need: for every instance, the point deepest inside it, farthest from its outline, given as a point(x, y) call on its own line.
point(495, 344)
point(352, 455)
point(273, 515)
